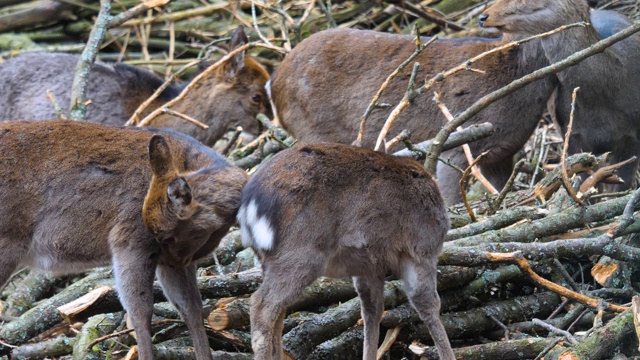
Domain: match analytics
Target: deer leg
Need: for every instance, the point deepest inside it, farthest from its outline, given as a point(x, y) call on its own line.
point(371, 293)
point(419, 276)
point(133, 269)
point(280, 287)
point(181, 289)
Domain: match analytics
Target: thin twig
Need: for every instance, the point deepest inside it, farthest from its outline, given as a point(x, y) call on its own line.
point(78, 108)
point(374, 102)
point(56, 107)
point(463, 185)
point(555, 330)
point(475, 171)
point(524, 265)
point(565, 147)
point(509, 185)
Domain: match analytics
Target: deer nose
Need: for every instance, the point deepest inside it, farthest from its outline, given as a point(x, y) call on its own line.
point(482, 19)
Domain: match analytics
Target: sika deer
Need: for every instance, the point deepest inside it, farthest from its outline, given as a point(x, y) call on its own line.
point(333, 210)
point(232, 96)
point(324, 85)
point(77, 195)
point(607, 116)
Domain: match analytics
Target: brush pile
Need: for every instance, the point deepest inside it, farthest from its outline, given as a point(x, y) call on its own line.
point(537, 271)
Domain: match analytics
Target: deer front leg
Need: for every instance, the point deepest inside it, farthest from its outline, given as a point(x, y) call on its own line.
point(133, 268)
point(181, 289)
point(371, 293)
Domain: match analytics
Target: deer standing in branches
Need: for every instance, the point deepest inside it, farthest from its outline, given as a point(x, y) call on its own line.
point(76, 195)
point(339, 210)
point(607, 115)
point(231, 96)
point(322, 88)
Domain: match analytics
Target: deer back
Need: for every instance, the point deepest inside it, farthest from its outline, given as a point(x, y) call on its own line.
point(342, 203)
point(322, 88)
point(70, 190)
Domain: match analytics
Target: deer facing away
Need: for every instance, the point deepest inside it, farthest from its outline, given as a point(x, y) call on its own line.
point(334, 210)
point(232, 95)
point(607, 116)
point(78, 195)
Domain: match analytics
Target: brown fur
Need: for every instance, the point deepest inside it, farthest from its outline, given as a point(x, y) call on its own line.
point(78, 195)
point(607, 107)
point(334, 210)
point(231, 96)
point(324, 85)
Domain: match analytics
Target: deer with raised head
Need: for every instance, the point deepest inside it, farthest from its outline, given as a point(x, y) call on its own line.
point(322, 88)
point(77, 195)
point(339, 210)
point(607, 115)
point(231, 96)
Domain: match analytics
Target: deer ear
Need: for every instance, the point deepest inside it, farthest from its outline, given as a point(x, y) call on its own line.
point(160, 156)
point(179, 192)
point(236, 63)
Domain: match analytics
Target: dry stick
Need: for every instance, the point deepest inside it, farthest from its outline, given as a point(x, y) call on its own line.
point(298, 24)
point(565, 147)
point(255, 24)
point(600, 46)
point(426, 15)
point(403, 103)
point(554, 329)
point(177, 16)
point(402, 137)
point(463, 185)
point(127, 331)
point(78, 108)
point(135, 11)
point(185, 117)
point(524, 265)
point(202, 75)
point(135, 118)
point(467, 150)
point(507, 187)
point(389, 339)
point(374, 102)
point(56, 106)
point(465, 66)
point(601, 174)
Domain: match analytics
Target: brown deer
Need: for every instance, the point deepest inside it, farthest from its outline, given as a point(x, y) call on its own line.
point(332, 210)
point(77, 195)
point(322, 88)
point(607, 115)
point(233, 95)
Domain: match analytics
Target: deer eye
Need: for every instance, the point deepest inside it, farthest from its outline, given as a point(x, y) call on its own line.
point(256, 98)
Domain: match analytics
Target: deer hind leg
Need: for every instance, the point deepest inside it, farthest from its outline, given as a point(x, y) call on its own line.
point(134, 272)
point(282, 284)
point(181, 290)
point(419, 276)
point(371, 293)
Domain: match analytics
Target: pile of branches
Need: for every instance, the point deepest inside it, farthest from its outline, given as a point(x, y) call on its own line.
point(546, 268)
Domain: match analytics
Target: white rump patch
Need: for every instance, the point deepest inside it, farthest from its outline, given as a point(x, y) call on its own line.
point(409, 276)
point(256, 231)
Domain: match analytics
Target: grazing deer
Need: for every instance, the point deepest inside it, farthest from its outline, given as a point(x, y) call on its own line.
point(607, 115)
point(77, 195)
point(322, 88)
point(334, 210)
point(232, 95)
